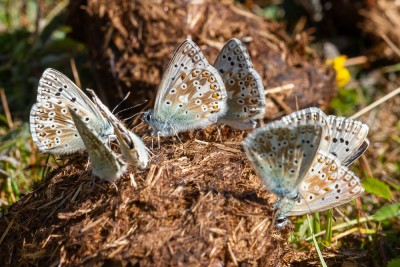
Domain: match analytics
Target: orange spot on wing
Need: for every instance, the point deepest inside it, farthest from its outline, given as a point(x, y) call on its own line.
point(212, 86)
point(205, 74)
point(183, 76)
point(330, 178)
point(254, 101)
point(215, 95)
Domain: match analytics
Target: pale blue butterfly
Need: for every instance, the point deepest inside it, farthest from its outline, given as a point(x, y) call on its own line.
point(246, 98)
point(52, 127)
point(291, 164)
point(191, 95)
point(54, 130)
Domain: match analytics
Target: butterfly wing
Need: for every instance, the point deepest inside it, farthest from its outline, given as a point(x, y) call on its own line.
point(191, 95)
point(105, 164)
point(51, 124)
point(281, 154)
point(359, 151)
point(132, 147)
point(246, 100)
point(327, 184)
point(349, 138)
point(310, 115)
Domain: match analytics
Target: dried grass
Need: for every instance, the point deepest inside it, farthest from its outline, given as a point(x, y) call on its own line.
point(381, 21)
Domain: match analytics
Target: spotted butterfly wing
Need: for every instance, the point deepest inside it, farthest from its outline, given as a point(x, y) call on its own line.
point(51, 124)
point(359, 151)
point(282, 154)
point(191, 95)
point(349, 138)
point(327, 184)
point(310, 115)
point(105, 164)
point(246, 100)
point(132, 147)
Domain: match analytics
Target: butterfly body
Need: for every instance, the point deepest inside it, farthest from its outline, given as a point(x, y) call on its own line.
point(191, 94)
point(246, 101)
point(52, 127)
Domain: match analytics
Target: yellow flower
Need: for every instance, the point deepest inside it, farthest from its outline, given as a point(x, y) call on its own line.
point(342, 73)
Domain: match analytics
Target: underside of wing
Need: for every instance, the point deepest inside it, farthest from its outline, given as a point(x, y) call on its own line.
point(105, 164)
point(348, 138)
point(281, 154)
point(328, 184)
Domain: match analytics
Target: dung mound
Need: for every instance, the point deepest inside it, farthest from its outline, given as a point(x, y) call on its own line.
point(197, 204)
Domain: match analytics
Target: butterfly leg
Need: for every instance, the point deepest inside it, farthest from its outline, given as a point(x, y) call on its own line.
point(158, 139)
point(219, 134)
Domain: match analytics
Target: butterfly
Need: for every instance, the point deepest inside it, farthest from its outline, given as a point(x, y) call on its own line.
point(52, 127)
point(291, 161)
point(346, 138)
point(132, 147)
point(191, 95)
point(246, 100)
point(105, 164)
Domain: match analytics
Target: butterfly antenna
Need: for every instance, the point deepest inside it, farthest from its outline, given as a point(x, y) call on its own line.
point(145, 101)
point(120, 102)
point(142, 112)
